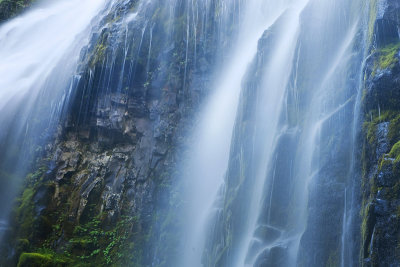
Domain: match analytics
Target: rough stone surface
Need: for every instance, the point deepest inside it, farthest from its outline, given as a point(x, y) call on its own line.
point(380, 227)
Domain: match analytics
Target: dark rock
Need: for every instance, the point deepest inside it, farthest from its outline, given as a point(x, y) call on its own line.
point(383, 89)
point(387, 21)
point(381, 207)
point(276, 256)
point(382, 132)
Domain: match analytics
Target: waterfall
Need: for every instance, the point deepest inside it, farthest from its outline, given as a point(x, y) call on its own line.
point(298, 97)
point(187, 133)
point(39, 55)
point(208, 158)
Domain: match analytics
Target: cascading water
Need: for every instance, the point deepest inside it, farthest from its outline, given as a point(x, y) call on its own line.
point(209, 157)
point(271, 91)
point(296, 103)
point(39, 54)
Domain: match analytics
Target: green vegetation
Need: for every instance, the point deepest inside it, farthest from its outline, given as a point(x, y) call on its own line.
point(368, 222)
point(98, 54)
point(38, 260)
point(96, 241)
point(395, 151)
point(90, 244)
point(24, 213)
point(387, 56)
point(370, 125)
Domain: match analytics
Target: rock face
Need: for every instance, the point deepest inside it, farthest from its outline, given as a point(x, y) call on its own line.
point(10, 8)
point(381, 133)
point(279, 231)
point(386, 26)
point(100, 193)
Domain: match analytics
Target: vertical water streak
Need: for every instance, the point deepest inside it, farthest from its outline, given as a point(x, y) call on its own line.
point(208, 159)
point(270, 103)
point(349, 246)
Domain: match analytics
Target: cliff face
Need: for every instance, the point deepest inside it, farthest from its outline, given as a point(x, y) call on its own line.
point(381, 134)
point(102, 191)
point(308, 174)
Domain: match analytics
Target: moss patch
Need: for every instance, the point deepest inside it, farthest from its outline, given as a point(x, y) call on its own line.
point(395, 151)
point(387, 56)
point(38, 260)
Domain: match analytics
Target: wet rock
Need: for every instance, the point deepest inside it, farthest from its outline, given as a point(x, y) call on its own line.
point(137, 108)
point(276, 256)
point(267, 234)
point(254, 249)
point(68, 163)
point(382, 132)
point(386, 176)
point(387, 21)
point(380, 228)
point(381, 207)
point(382, 86)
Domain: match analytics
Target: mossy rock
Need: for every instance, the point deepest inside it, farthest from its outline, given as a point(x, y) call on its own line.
point(395, 152)
point(38, 260)
point(367, 227)
point(388, 56)
point(11, 8)
point(394, 130)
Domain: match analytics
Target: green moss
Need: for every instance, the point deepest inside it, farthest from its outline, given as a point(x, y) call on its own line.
point(395, 151)
point(394, 130)
point(92, 243)
point(374, 187)
point(368, 223)
point(385, 162)
point(370, 129)
point(387, 56)
point(99, 54)
point(370, 125)
point(26, 199)
point(25, 214)
point(24, 211)
point(37, 260)
point(100, 50)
